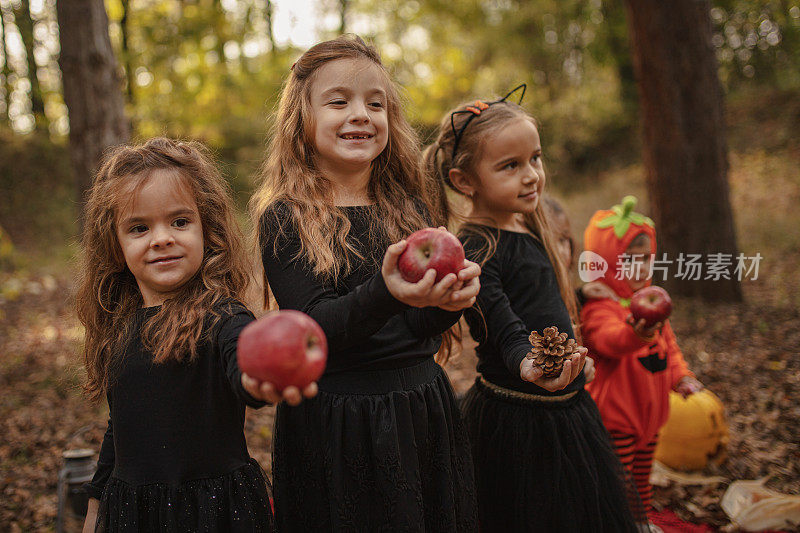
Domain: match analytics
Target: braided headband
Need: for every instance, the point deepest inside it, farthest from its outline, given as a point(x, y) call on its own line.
point(474, 110)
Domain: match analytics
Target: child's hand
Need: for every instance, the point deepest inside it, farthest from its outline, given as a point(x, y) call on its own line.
point(588, 370)
point(265, 391)
point(643, 332)
point(688, 386)
point(464, 292)
point(596, 290)
point(424, 293)
point(91, 515)
point(572, 368)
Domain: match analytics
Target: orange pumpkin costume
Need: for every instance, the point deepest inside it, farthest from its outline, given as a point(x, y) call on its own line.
point(633, 377)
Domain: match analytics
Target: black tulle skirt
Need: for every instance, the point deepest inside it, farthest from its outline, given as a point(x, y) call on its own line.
point(375, 451)
point(544, 466)
point(235, 502)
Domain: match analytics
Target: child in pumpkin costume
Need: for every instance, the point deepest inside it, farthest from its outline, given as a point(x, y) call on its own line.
point(636, 366)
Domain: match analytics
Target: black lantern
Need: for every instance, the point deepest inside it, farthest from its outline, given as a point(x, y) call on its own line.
point(79, 467)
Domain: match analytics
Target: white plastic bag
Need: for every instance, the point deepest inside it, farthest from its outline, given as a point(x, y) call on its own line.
point(754, 508)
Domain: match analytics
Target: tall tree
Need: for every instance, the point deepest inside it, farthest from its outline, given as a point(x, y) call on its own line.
point(269, 10)
point(92, 87)
point(684, 142)
point(24, 21)
point(344, 5)
point(5, 119)
point(126, 52)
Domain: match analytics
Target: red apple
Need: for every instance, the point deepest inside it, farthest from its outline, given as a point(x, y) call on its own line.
point(652, 303)
point(284, 348)
point(431, 248)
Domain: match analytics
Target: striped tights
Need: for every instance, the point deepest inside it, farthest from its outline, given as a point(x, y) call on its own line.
point(638, 461)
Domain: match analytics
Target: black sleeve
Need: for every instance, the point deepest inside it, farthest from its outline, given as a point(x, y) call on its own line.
point(230, 326)
point(503, 328)
point(105, 463)
point(427, 322)
point(347, 319)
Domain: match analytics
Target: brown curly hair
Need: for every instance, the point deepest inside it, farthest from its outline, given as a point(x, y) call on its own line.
point(108, 294)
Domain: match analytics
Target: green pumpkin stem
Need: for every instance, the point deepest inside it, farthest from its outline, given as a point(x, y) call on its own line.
point(623, 216)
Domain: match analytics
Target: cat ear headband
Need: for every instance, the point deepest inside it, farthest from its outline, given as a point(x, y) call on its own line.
point(474, 110)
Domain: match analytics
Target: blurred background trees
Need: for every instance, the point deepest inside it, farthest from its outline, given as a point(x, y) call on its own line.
point(212, 70)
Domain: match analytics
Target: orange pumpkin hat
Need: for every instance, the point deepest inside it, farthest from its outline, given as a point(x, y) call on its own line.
point(610, 232)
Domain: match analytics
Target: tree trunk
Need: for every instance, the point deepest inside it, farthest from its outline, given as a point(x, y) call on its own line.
point(684, 142)
point(92, 87)
point(5, 119)
point(22, 17)
point(343, 6)
point(269, 10)
point(126, 53)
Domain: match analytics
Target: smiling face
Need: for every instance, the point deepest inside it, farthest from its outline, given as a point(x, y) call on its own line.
point(509, 176)
point(161, 235)
point(348, 99)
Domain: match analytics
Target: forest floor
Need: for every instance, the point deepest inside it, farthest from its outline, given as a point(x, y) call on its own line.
point(746, 353)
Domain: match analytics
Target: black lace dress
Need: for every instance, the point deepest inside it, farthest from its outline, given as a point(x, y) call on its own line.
point(383, 446)
point(174, 457)
point(543, 460)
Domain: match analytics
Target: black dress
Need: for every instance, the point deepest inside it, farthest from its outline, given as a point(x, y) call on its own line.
point(543, 460)
point(382, 447)
point(174, 457)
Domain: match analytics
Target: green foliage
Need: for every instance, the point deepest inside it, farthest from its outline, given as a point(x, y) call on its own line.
point(38, 203)
point(572, 54)
point(757, 41)
point(204, 73)
point(206, 70)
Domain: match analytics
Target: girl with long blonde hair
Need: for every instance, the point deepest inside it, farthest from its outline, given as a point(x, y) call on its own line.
point(382, 447)
point(543, 461)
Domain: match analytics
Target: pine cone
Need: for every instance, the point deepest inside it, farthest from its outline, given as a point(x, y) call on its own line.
point(550, 349)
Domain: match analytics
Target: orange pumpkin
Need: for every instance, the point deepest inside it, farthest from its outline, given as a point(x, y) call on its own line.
point(695, 434)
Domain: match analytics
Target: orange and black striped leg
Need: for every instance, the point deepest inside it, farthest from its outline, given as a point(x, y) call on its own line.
point(642, 465)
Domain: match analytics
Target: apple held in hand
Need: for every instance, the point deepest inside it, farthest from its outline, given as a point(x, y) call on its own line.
point(284, 348)
point(652, 303)
point(431, 248)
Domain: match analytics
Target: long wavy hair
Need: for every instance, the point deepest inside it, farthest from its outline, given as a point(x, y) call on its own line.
point(438, 160)
point(290, 175)
point(108, 295)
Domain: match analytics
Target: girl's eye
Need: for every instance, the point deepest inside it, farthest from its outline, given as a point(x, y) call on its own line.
point(376, 105)
point(181, 222)
point(338, 102)
point(138, 228)
point(510, 165)
point(536, 158)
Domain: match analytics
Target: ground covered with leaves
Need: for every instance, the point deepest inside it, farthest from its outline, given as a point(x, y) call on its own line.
point(745, 353)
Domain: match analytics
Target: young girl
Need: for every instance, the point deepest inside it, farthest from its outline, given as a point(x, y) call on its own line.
point(543, 461)
point(163, 269)
point(382, 447)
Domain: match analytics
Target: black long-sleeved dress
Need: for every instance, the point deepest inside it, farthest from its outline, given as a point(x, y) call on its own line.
point(174, 456)
point(382, 447)
point(543, 460)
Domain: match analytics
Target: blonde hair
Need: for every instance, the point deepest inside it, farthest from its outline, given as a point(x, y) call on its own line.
point(108, 294)
point(290, 176)
point(439, 159)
